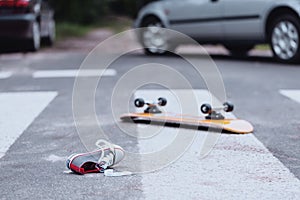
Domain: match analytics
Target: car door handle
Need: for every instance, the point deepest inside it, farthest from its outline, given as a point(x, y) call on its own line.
point(214, 1)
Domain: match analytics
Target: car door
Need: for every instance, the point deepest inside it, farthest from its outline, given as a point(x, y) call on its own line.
point(243, 19)
point(199, 19)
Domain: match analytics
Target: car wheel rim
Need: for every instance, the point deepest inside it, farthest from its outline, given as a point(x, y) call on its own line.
point(285, 40)
point(36, 35)
point(154, 38)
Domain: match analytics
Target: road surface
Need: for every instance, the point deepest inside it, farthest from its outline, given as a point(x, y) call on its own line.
point(38, 132)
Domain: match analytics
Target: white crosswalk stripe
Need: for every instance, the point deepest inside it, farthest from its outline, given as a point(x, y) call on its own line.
point(238, 166)
point(5, 74)
point(73, 73)
point(18, 111)
point(292, 94)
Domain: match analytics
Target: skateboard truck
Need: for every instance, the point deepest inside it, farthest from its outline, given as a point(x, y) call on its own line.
point(213, 114)
point(151, 107)
point(214, 120)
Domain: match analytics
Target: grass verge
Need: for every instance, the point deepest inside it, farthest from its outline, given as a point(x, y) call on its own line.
point(66, 29)
point(115, 24)
point(262, 47)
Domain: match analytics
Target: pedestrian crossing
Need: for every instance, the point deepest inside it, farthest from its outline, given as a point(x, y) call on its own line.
point(63, 73)
point(238, 165)
point(5, 74)
point(18, 111)
point(73, 73)
point(291, 94)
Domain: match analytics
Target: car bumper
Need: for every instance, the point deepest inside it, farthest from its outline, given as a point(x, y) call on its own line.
point(16, 26)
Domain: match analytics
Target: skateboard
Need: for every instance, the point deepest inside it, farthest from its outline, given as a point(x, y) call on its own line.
point(213, 118)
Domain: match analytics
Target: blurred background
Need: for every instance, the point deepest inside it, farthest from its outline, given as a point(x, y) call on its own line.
point(76, 17)
point(92, 11)
point(26, 26)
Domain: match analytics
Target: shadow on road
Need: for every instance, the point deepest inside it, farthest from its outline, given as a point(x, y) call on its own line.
point(8, 48)
point(223, 57)
point(245, 58)
point(251, 58)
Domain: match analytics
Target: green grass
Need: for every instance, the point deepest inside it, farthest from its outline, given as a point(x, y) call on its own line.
point(65, 29)
point(115, 24)
point(262, 47)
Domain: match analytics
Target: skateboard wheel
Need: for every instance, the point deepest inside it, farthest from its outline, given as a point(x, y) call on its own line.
point(228, 107)
point(139, 102)
point(162, 101)
point(206, 108)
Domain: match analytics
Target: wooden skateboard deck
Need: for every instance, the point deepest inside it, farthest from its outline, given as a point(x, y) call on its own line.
point(231, 125)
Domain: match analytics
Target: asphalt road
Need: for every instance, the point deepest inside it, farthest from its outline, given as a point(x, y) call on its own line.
point(33, 166)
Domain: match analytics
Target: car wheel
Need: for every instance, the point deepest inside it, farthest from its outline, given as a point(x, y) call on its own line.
point(154, 38)
point(284, 37)
point(50, 38)
point(34, 43)
point(239, 50)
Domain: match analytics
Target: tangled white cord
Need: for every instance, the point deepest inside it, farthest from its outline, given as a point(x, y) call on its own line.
point(107, 160)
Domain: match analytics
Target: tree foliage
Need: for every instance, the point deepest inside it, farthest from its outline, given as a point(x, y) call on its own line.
point(91, 11)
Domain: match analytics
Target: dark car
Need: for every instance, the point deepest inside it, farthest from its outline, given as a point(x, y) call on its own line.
point(26, 23)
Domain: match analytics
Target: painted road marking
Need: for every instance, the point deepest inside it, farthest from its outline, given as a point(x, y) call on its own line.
point(5, 75)
point(292, 94)
point(166, 136)
point(239, 166)
point(18, 111)
point(73, 73)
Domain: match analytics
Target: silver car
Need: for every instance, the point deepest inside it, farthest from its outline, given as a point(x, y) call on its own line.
point(237, 24)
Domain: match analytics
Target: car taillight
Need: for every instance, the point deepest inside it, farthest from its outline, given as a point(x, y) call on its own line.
point(14, 3)
point(22, 3)
point(7, 3)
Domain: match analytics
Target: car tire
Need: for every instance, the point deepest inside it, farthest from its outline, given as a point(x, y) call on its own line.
point(238, 50)
point(34, 43)
point(151, 28)
point(284, 38)
point(50, 38)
